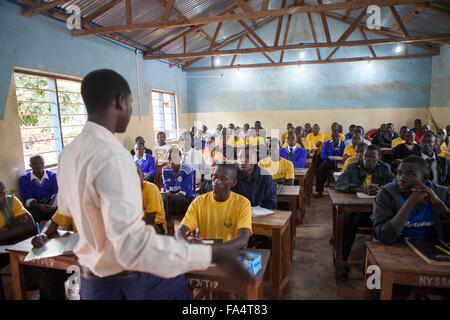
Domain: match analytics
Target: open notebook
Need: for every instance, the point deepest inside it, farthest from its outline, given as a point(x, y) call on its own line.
point(258, 211)
point(54, 247)
point(363, 195)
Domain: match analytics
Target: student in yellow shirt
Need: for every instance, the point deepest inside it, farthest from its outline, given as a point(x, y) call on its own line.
point(335, 127)
point(283, 136)
point(291, 129)
point(438, 147)
point(16, 223)
point(154, 213)
point(316, 137)
point(360, 148)
point(257, 142)
point(219, 214)
point(402, 139)
point(443, 133)
point(282, 170)
point(350, 151)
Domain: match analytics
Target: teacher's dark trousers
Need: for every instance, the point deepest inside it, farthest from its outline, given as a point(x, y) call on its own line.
point(126, 289)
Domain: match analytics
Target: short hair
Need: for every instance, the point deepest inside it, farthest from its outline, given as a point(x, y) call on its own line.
point(230, 168)
point(140, 143)
point(361, 128)
point(34, 156)
point(161, 133)
point(352, 126)
point(289, 124)
point(428, 134)
point(374, 147)
point(419, 162)
point(404, 127)
point(100, 87)
point(138, 138)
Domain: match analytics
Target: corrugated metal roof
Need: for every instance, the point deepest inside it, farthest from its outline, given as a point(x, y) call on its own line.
point(151, 10)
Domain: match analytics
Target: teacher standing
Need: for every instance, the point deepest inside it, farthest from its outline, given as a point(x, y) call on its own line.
point(100, 189)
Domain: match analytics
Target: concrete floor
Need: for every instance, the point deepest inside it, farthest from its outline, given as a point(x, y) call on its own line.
point(312, 272)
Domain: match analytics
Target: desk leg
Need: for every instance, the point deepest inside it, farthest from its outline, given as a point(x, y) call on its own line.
point(255, 292)
point(286, 259)
point(18, 277)
point(338, 239)
point(387, 281)
point(333, 237)
point(301, 204)
point(276, 255)
point(292, 225)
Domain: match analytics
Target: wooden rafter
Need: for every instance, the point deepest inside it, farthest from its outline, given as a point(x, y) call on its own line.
point(213, 40)
point(384, 33)
point(257, 38)
point(257, 46)
point(348, 32)
point(399, 21)
point(184, 44)
point(264, 5)
point(301, 46)
point(238, 47)
point(280, 23)
point(181, 35)
point(363, 33)
point(243, 5)
point(245, 16)
point(314, 35)
point(42, 7)
point(128, 12)
point(325, 24)
point(168, 10)
point(408, 18)
point(97, 13)
point(428, 6)
point(263, 65)
point(347, 12)
point(286, 31)
point(191, 61)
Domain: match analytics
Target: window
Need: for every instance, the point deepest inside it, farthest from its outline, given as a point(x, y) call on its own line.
point(51, 114)
point(164, 114)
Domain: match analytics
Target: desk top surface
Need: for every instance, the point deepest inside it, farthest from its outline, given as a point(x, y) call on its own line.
point(278, 219)
point(342, 198)
point(301, 171)
point(288, 191)
point(401, 258)
point(26, 246)
point(216, 272)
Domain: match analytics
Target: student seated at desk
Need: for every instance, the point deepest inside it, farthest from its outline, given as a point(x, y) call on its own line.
point(284, 135)
point(350, 151)
point(282, 170)
point(418, 130)
point(219, 214)
point(145, 161)
point(359, 152)
point(402, 138)
point(293, 153)
point(254, 183)
point(439, 166)
point(334, 147)
point(178, 181)
point(162, 149)
point(39, 189)
point(385, 140)
point(358, 130)
point(351, 129)
point(368, 176)
point(140, 139)
point(334, 127)
point(438, 147)
point(308, 128)
point(406, 149)
point(316, 137)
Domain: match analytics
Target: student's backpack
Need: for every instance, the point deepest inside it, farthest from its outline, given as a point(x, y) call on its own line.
point(7, 211)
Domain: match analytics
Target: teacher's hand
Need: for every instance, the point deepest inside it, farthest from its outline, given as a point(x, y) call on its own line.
point(226, 258)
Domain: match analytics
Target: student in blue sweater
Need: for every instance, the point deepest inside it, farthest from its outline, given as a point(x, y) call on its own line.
point(39, 189)
point(145, 161)
point(333, 147)
point(293, 152)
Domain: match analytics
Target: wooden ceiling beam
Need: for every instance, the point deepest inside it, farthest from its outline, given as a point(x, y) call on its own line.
point(314, 35)
point(243, 5)
point(399, 21)
point(264, 5)
point(301, 46)
point(257, 46)
point(280, 23)
point(365, 38)
point(128, 12)
point(42, 7)
point(245, 16)
point(168, 10)
point(238, 47)
point(429, 7)
point(348, 32)
point(296, 63)
point(97, 13)
point(324, 23)
point(286, 31)
point(408, 18)
point(181, 35)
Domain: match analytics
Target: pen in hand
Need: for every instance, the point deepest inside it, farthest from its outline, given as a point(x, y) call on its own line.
point(39, 230)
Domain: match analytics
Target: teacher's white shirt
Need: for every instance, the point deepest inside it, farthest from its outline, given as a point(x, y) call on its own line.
point(100, 189)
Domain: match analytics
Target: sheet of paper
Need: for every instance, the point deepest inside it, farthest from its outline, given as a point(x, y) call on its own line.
point(258, 211)
point(54, 247)
point(362, 195)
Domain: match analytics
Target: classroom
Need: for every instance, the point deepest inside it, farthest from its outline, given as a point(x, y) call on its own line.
point(224, 150)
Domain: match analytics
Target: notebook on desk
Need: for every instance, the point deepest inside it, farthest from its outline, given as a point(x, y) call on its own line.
point(432, 251)
point(54, 247)
point(363, 195)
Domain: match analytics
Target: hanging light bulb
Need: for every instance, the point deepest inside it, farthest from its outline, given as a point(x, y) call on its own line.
point(302, 54)
point(398, 48)
point(218, 60)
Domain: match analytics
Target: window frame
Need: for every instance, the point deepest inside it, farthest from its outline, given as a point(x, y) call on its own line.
point(175, 99)
point(53, 77)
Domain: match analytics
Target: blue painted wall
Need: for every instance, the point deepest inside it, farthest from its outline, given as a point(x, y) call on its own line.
point(381, 84)
point(46, 44)
point(440, 84)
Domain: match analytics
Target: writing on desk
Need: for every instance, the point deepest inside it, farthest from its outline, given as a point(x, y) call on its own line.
point(434, 281)
point(210, 284)
point(42, 262)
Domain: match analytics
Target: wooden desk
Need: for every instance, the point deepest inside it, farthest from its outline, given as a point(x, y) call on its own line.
point(276, 225)
point(17, 254)
point(293, 195)
point(400, 265)
point(215, 279)
point(304, 176)
point(344, 202)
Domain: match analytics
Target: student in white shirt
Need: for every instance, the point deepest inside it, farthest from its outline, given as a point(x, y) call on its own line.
point(196, 161)
point(101, 192)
